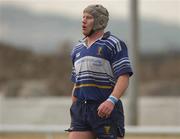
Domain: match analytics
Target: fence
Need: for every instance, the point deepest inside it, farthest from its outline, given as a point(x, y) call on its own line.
point(55, 111)
point(157, 116)
point(49, 130)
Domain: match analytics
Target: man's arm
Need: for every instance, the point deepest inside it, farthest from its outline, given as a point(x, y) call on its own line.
point(105, 109)
point(121, 86)
point(72, 96)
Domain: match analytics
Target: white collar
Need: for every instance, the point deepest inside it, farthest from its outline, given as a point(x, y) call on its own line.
point(84, 41)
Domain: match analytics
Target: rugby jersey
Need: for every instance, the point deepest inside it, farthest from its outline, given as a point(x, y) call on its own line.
point(96, 68)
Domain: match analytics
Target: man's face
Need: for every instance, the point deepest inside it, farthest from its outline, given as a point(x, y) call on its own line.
point(87, 23)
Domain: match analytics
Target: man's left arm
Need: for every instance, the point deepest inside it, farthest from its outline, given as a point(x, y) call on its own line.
point(105, 109)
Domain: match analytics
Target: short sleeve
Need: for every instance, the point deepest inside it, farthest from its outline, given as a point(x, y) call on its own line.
point(120, 60)
point(73, 72)
point(73, 75)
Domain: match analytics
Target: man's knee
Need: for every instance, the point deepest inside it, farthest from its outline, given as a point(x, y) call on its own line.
point(81, 135)
point(120, 138)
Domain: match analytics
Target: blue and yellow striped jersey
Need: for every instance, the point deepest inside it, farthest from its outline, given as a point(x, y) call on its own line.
point(96, 68)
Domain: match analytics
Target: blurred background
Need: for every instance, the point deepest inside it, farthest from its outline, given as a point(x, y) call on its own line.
point(36, 39)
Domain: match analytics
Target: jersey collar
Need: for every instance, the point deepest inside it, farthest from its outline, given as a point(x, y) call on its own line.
point(105, 36)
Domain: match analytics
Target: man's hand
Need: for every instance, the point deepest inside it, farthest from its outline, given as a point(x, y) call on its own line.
point(105, 109)
point(74, 99)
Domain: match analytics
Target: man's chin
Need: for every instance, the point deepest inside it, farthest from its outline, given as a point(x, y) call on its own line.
point(85, 33)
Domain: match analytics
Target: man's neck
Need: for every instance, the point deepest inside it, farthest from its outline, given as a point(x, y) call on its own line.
point(95, 36)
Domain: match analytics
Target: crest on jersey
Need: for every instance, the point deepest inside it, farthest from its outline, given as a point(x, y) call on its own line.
point(99, 51)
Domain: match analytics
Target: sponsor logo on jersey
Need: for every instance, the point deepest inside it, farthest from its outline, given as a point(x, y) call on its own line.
point(97, 62)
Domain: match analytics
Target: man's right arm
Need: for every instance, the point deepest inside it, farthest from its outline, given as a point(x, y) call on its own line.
point(72, 96)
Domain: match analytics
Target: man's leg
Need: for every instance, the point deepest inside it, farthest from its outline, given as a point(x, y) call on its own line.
point(120, 138)
point(81, 135)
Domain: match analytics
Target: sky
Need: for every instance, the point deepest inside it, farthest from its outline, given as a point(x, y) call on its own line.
point(167, 11)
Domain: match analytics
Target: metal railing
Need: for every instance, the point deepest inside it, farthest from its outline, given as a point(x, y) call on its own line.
point(49, 130)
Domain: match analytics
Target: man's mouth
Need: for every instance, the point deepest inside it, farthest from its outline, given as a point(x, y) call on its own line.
point(84, 27)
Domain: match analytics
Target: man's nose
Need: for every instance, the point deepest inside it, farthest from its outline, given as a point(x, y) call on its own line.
point(84, 21)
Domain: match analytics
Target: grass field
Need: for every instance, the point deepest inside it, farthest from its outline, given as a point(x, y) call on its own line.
point(64, 136)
